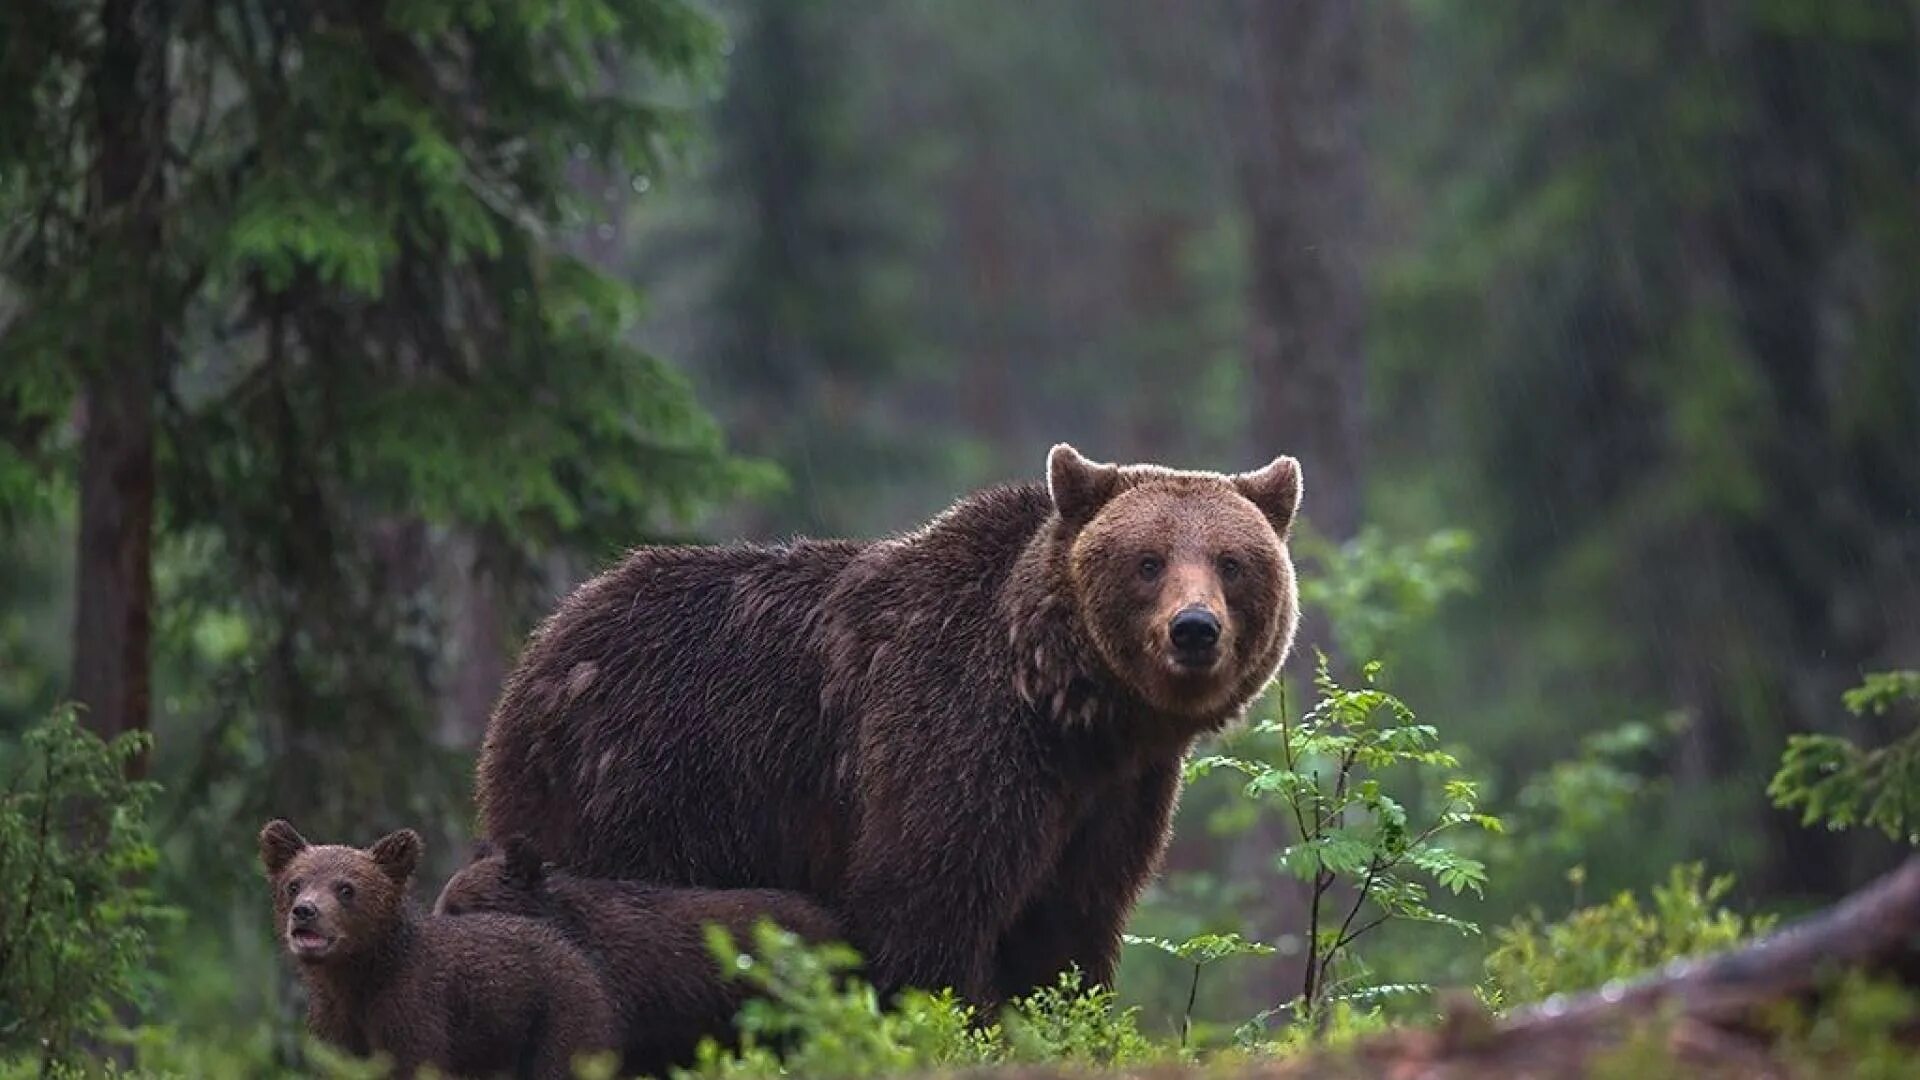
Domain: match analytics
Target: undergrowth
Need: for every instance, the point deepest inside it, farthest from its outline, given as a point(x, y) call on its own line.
point(1373, 797)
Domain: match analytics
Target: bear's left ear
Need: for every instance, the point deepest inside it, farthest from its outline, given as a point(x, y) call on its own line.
point(1079, 487)
point(279, 843)
point(1275, 490)
point(397, 853)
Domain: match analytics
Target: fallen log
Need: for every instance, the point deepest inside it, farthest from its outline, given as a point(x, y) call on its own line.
point(1700, 1017)
point(1708, 1006)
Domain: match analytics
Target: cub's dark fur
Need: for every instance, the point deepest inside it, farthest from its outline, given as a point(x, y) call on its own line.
point(649, 943)
point(966, 740)
point(487, 996)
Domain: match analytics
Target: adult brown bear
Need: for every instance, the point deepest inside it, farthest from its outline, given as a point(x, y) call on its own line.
point(966, 740)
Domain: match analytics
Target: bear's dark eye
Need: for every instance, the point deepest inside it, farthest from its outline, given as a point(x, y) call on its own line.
point(1229, 568)
point(344, 891)
point(293, 888)
point(1150, 567)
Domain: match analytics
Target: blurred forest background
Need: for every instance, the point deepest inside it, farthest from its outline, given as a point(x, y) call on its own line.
point(340, 340)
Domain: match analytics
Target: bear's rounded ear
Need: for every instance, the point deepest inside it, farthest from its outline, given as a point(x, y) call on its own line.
point(1275, 490)
point(397, 853)
point(1079, 487)
point(524, 864)
point(279, 843)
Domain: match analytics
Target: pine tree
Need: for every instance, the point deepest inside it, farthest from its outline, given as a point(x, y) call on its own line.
point(311, 307)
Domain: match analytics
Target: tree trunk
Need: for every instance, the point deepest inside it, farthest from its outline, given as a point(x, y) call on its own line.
point(1302, 169)
point(989, 405)
point(480, 652)
point(113, 571)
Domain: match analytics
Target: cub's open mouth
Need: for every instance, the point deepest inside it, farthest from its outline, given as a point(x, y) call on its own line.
point(308, 943)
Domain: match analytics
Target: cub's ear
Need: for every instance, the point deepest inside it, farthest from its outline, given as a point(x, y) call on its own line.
point(397, 853)
point(1079, 487)
point(1275, 490)
point(524, 865)
point(279, 843)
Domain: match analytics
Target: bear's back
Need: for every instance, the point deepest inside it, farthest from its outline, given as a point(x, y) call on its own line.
point(681, 719)
point(658, 693)
point(486, 991)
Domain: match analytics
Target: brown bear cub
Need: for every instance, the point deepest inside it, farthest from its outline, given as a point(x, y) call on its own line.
point(649, 943)
point(487, 996)
point(965, 740)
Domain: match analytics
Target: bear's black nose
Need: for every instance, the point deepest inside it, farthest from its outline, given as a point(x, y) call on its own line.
point(304, 912)
point(1194, 630)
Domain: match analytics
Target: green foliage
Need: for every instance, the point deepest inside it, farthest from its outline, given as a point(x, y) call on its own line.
point(1074, 1024)
point(1836, 782)
point(1344, 1020)
point(816, 1018)
point(1860, 1028)
point(1205, 948)
point(1571, 802)
point(1533, 958)
point(77, 924)
point(1200, 950)
point(1575, 822)
point(1326, 773)
point(1374, 590)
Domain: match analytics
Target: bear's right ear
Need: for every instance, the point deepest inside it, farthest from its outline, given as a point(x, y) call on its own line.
point(524, 864)
point(279, 843)
point(397, 853)
point(1079, 487)
point(1275, 490)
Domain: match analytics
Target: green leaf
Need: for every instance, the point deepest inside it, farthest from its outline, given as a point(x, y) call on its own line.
point(1204, 948)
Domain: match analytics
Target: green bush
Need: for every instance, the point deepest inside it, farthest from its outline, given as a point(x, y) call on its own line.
point(76, 930)
point(817, 1018)
point(1533, 958)
point(1369, 849)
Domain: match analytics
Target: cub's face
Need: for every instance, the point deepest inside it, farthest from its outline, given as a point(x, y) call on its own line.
point(331, 902)
point(1182, 580)
point(505, 882)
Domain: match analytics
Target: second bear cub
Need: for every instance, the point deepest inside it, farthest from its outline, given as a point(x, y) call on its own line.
point(471, 997)
point(649, 942)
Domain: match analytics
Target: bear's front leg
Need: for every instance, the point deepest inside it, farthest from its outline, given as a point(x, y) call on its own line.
point(412, 1037)
point(1077, 920)
point(941, 866)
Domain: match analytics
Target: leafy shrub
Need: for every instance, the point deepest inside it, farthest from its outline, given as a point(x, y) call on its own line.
point(1574, 802)
point(817, 1019)
point(1533, 958)
point(1201, 950)
point(1836, 782)
point(77, 923)
point(1073, 1023)
point(1360, 850)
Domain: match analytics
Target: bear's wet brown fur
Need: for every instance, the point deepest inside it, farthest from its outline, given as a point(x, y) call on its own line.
point(648, 941)
point(966, 740)
point(487, 996)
